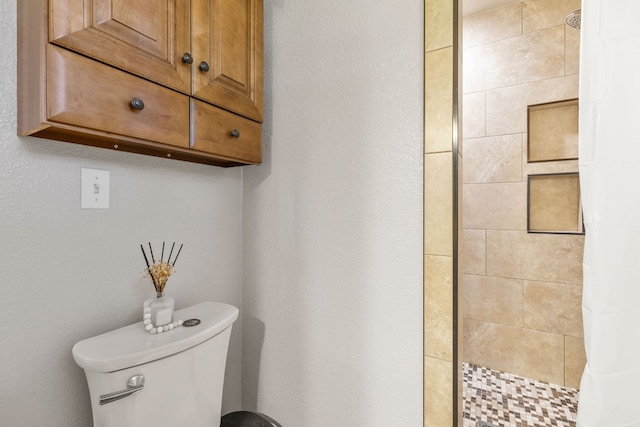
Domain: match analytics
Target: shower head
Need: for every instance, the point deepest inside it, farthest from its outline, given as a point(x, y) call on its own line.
point(573, 19)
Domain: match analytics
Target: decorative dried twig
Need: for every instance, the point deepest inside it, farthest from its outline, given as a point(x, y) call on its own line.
point(160, 271)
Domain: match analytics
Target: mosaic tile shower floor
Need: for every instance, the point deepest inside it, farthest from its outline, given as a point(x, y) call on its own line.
point(507, 400)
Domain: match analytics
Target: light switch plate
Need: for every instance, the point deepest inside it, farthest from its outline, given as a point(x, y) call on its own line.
point(94, 192)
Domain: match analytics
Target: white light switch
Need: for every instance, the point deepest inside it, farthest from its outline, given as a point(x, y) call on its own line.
point(94, 192)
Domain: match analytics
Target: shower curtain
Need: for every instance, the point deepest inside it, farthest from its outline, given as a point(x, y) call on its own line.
point(610, 187)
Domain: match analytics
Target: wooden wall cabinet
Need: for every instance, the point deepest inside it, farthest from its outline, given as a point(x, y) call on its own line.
point(170, 78)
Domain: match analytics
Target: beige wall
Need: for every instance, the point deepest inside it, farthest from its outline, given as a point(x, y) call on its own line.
point(442, 57)
point(521, 292)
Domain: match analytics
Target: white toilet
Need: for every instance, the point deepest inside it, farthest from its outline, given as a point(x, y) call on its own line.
point(172, 379)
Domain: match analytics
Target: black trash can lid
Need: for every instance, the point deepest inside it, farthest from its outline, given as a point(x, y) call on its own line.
point(247, 419)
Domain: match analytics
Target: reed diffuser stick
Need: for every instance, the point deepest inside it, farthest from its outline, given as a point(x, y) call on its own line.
point(170, 252)
point(146, 260)
point(151, 249)
point(145, 256)
point(177, 255)
point(160, 270)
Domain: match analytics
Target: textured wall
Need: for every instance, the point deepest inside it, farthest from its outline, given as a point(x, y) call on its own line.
point(67, 274)
point(522, 292)
point(333, 218)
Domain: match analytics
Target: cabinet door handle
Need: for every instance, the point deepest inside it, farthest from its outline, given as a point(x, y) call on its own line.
point(204, 66)
point(137, 104)
point(235, 133)
point(187, 58)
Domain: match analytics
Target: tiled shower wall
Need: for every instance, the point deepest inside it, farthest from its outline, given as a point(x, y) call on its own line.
point(521, 292)
point(442, 57)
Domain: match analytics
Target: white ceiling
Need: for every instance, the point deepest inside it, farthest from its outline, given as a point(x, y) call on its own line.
point(471, 7)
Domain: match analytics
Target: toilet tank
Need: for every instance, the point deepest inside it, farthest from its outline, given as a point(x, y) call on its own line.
point(183, 371)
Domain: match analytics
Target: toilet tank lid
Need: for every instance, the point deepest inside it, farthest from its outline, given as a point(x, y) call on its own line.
point(132, 345)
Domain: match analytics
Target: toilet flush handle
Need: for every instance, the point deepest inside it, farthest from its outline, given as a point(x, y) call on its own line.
point(135, 384)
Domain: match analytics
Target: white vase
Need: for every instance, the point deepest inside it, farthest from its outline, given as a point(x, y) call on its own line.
point(160, 309)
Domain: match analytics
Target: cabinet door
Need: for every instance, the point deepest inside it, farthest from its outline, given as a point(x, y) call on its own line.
point(227, 37)
point(145, 37)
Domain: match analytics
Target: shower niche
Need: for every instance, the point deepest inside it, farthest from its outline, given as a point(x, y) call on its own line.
point(553, 193)
point(552, 130)
point(554, 203)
